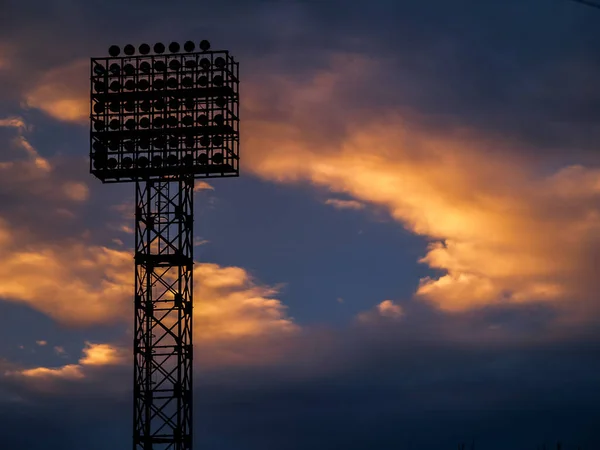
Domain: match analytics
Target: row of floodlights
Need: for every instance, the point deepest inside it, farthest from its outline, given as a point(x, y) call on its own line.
point(159, 48)
point(146, 106)
point(158, 84)
point(157, 161)
point(160, 142)
point(160, 66)
point(159, 122)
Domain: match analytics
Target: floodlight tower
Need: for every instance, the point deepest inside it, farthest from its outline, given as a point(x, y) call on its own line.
point(161, 121)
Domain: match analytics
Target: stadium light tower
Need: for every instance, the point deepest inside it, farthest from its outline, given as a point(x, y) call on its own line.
point(162, 120)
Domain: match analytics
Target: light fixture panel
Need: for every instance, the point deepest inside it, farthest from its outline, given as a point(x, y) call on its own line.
point(160, 116)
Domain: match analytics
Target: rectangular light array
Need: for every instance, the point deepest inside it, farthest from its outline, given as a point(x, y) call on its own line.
point(161, 116)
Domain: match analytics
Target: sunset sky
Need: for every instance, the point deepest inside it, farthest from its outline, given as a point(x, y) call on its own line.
point(409, 259)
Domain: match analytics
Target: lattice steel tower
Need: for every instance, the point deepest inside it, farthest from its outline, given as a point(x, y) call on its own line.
point(161, 121)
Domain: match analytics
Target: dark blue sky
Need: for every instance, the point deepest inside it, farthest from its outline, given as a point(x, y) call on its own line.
point(408, 260)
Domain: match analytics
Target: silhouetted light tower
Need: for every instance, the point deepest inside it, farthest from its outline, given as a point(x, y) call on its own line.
point(161, 121)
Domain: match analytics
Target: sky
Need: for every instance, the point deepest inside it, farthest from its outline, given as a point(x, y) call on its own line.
point(408, 259)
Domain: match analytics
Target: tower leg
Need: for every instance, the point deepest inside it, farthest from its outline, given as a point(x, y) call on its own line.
point(163, 315)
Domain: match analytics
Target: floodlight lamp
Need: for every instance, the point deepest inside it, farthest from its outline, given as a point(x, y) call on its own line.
point(115, 68)
point(187, 159)
point(157, 161)
point(113, 145)
point(217, 80)
point(98, 147)
point(99, 86)
point(217, 141)
point(189, 141)
point(173, 141)
point(145, 67)
point(144, 123)
point(130, 106)
point(174, 64)
point(190, 63)
point(159, 48)
point(129, 69)
point(114, 51)
point(143, 85)
point(172, 121)
point(158, 122)
point(114, 124)
point(115, 107)
point(172, 83)
point(203, 80)
point(160, 66)
point(187, 82)
point(174, 103)
point(204, 45)
point(130, 85)
point(129, 145)
point(99, 108)
point(172, 160)
point(174, 47)
point(220, 102)
point(115, 86)
point(205, 63)
point(129, 50)
point(144, 143)
point(219, 119)
point(219, 62)
point(202, 158)
point(187, 121)
point(159, 104)
point(130, 124)
point(189, 103)
point(145, 106)
point(144, 49)
point(112, 163)
point(202, 119)
point(217, 158)
point(205, 141)
point(127, 162)
point(189, 46)
point(158, 83)
point(99, 70)
point(99, 125)
point(142, 162)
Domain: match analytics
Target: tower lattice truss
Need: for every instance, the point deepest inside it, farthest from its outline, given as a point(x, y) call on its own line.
point(163, 315)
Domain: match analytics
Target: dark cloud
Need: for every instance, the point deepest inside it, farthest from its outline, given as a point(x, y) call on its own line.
point(383, 390)
point(521, 71)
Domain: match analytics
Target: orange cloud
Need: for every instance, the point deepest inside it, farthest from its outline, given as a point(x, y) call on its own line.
point(386, 309)
point(230, 305)
point(13, 122)
point(344, 204)
point(23, 144)
point(501, 231)
point(93, 355)
point(202, 186)
point(63, 93)
point(69, 372)
point(76, 191)
point(49, 276)
point(102, 355)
